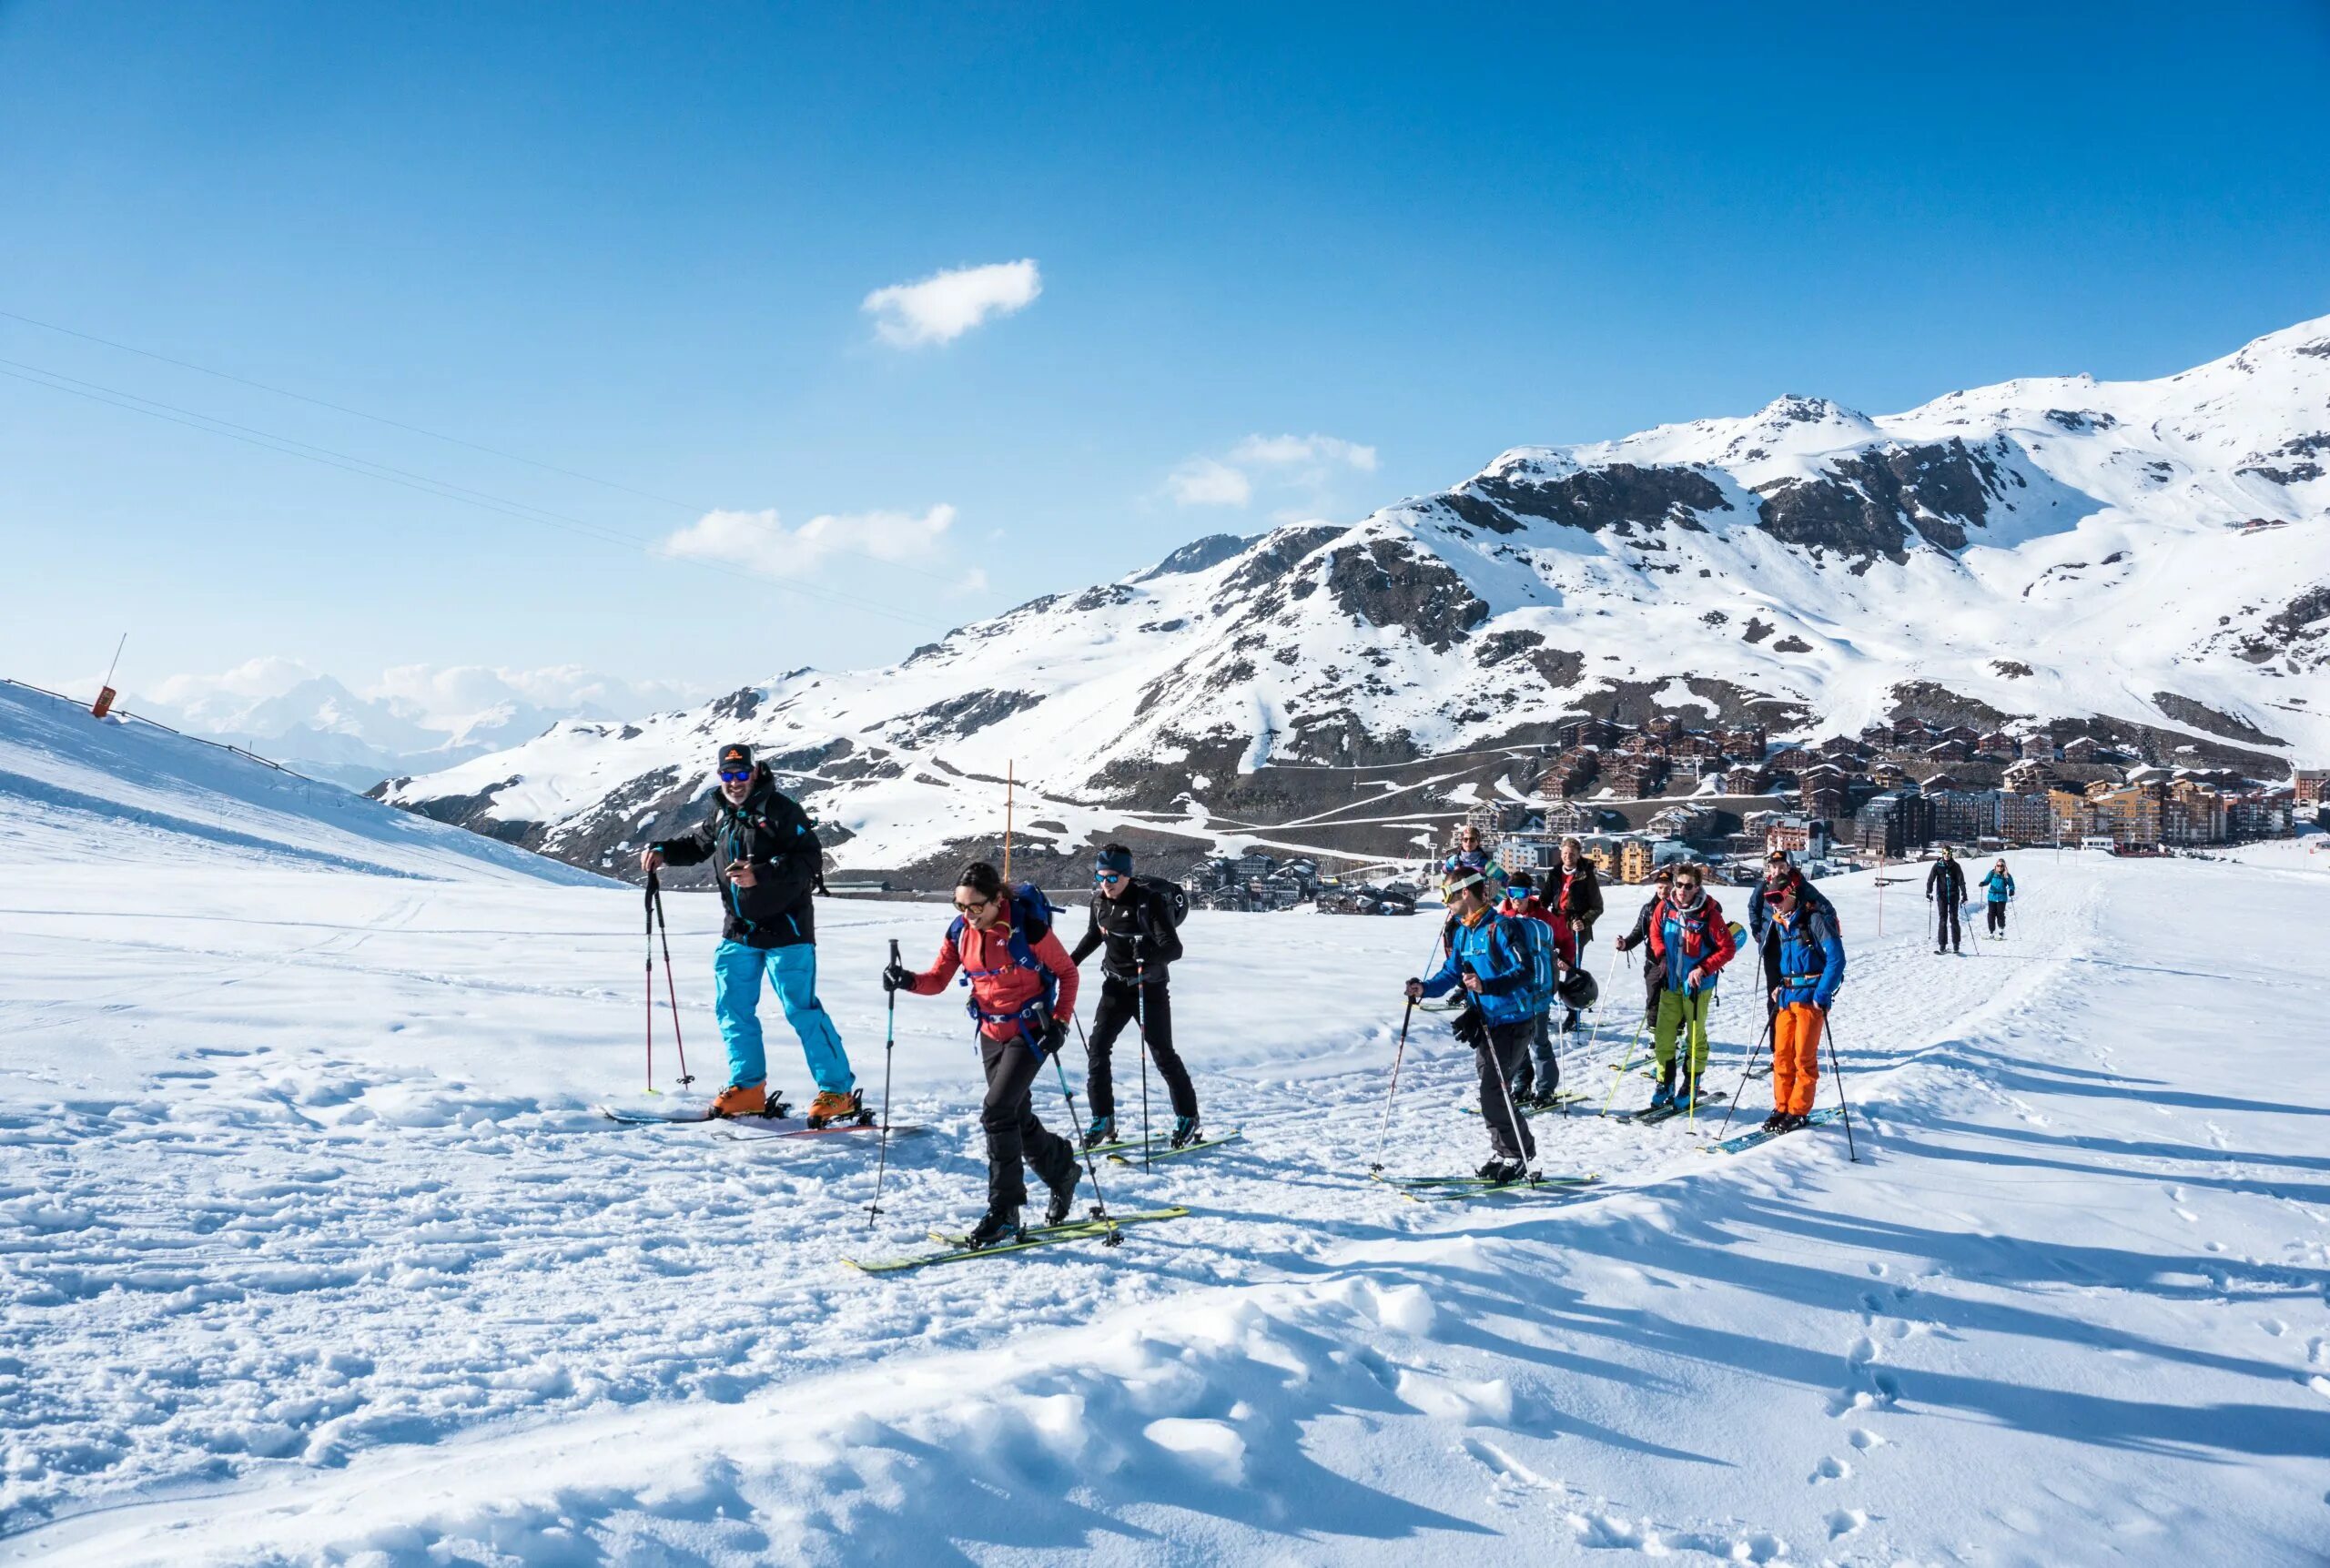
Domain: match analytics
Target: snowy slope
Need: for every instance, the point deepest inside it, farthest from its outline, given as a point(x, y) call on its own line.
point(133, 794)
point(2155, 553)
point(314, 1253)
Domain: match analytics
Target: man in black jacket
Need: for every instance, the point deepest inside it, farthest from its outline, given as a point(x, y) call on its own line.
point(767, 860)
point(1135, 921)
point(1946, 890)
point(1574, 894)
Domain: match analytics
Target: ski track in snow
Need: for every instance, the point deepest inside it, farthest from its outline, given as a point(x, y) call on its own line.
point(314, 1250)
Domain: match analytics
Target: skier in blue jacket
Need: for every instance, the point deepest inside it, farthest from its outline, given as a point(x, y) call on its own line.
point(1493, 967)
point(1997, 888)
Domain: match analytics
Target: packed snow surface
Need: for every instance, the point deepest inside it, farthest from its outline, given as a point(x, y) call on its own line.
point(314, 1249)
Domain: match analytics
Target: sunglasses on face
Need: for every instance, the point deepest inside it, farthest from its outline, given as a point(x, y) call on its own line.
point(737, 777)
point(972, 907)
point(1108, 879)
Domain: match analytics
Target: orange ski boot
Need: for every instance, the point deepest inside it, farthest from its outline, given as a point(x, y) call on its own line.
point(829, 1108)
point(741, 1099)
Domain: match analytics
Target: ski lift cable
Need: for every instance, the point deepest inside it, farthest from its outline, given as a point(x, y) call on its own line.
point(288, 447)
point(689, 507)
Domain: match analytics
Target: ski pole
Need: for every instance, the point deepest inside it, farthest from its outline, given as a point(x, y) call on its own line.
point(656, 893)
point(882, 1161)
point(647, 912)
point(1511, 1112)
point(1140, 1022)
point(1623, 1067)
point(1851, 1150)
point(1384, 1133)
point(1745, 1073)
point(1099, 1199)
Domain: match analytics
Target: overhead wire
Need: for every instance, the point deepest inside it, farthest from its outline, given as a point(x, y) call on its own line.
point(273, 390)
point(289, 446)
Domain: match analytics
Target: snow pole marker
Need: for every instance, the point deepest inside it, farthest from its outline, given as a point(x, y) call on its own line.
point(889, 1041)
point(655, 898)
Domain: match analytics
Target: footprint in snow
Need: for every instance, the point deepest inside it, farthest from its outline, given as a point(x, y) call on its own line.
point(1861, 1438)
point(1830, 1468)
point(1843, 1521)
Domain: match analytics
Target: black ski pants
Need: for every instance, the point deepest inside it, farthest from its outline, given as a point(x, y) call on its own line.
point(1155, 1020)
point(1499, 1053)
point(1013, 1134)
point(1945, 931)
point(1995, 913)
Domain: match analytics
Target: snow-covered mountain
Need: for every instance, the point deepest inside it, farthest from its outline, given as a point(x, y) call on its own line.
point(2152, 557)
point(315, 724)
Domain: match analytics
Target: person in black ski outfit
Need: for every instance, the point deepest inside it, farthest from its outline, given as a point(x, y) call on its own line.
point(1134, 920)
point(1574, 894)
point(1779, 873)
point(766, 860)
point(1946, 889)
point(1653, 973)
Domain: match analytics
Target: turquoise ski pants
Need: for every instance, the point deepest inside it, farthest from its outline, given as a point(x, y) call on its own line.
point(737, 971)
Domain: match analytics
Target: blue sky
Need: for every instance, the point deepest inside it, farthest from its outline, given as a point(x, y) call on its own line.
point(637, 243)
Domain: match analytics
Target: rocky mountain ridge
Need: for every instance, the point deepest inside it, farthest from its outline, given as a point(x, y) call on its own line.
point(2150, 558)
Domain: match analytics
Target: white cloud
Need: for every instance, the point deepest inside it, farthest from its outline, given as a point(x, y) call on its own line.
point(758, 541)
point(254, 679)
point(1207, 481)
point(1311, 451)
point(1309, 463)
point(944, 306)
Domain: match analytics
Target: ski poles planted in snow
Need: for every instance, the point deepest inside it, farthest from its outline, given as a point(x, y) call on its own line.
point(653, 902)
point(1099, 1199)
point(1745, 1074)
point(889, 1042)
point(1851, 1150)
point(1384, 1133)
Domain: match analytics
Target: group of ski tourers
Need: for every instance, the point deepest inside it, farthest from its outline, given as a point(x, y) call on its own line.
point(1510, 953)
point(1946, 891)
point(1023, 985)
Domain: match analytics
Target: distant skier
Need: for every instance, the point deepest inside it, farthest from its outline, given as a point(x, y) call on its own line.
point(1494, 969)
point(1470, 855)
point(1778, 872)
point(1537, 1083)
point(1573, 893)
point(1812, 966)
point(1023, 993)
point(1946, 888)
point(1997, 888)
point(1693, 942)
point(768, 860)
point(1133, 918)
point(1653, 972)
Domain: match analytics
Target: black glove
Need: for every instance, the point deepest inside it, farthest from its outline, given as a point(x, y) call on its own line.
point(1055, 1037)
point(898, 977)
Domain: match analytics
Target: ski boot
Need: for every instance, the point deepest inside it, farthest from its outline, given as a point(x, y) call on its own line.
point(1687, 1097)
point(830, 1108)
point(1055, 1213)
point(1772, 1122)
point(741, 1099)
point(1500, 1171)
point(1102, 1130)
point(1662, 1097)
point(996, 1226)
point(1185, 1132)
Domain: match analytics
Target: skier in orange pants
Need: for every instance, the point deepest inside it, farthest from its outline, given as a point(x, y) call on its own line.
point(1811, 968)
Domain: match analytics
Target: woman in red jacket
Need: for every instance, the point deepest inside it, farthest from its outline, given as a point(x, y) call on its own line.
point(1023, 993)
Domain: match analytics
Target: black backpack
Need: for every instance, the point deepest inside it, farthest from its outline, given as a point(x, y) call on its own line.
point(1177, 899)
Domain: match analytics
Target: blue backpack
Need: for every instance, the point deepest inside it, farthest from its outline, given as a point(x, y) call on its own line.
point(1029, 916)
point(1529, 945)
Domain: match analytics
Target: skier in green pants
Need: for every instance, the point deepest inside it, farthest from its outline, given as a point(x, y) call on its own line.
point(1692, 942)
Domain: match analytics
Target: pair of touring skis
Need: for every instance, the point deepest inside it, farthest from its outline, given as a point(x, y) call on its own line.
point(1755, 1135)
point(956, 1249)
point(1159, 1147)
point(1458, 1189)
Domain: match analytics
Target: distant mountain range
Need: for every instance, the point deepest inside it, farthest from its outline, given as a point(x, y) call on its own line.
point(321, 728)
point(2149, 558)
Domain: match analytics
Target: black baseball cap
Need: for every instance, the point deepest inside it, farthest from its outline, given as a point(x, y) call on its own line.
point(735, 756)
